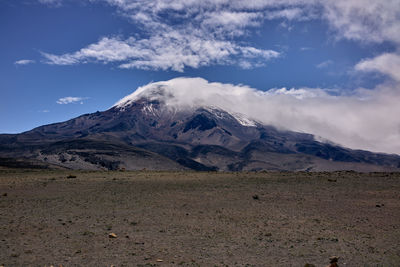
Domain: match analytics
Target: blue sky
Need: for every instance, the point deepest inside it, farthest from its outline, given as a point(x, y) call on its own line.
point(64, 58)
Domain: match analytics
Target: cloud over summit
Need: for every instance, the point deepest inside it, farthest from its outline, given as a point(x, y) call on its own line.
point(366, 120)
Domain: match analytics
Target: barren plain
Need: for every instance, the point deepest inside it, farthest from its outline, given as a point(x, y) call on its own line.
point(148, 218)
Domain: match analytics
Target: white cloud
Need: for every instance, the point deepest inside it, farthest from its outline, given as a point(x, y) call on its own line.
point(70, 100)
point(324, 64)
point(305, 48)
point(364, 20)
point(366, 120)
point(190, 33)
point(54, 3)
point(387, 63)
point(171, 50)
point(300, 93)
point(65, 59)
point(24, 62)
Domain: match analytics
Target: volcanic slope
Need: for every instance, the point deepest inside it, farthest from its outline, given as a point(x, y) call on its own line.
point(151, 129)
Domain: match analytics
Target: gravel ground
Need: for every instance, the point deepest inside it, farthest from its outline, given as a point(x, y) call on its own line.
point(198, 219)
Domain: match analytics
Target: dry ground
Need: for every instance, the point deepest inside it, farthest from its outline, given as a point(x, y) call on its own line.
point(198, 219)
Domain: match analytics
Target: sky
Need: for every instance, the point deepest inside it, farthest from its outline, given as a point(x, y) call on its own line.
point(326, 67)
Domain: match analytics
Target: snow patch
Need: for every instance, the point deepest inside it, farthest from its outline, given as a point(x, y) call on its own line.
point(243, 120)
point(239, 117)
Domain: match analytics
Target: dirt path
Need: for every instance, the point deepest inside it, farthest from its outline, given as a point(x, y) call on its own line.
point(198, 219)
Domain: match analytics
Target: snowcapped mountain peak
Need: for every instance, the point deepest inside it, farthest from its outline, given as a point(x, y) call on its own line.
point(149, 92)
point(185, 94)
point(189, 92)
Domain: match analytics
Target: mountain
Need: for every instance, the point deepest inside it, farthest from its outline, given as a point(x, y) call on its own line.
point(149, 129)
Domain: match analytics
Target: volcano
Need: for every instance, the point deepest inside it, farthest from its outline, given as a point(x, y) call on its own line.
point(153, 129)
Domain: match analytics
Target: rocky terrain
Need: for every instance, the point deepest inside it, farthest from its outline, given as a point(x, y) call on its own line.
point(144, 218)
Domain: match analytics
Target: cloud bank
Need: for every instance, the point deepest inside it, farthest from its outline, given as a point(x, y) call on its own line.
point(187, 33)
point(173, 50)
point(387, 64)
point(365, 120)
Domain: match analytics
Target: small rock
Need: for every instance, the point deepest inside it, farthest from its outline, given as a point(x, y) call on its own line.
point(159, 260)
point(112, 235)
point(333, 261)
point(71, 176)
point(309, 265)
point(378, 205)
point(5, 194)
point(255, 197)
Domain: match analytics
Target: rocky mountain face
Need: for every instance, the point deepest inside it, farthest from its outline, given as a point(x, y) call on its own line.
point(145, 131)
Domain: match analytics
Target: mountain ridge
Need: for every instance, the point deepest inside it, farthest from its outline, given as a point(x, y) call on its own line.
point(144, 130)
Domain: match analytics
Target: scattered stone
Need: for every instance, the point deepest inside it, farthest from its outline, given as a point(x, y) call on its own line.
point(378, 205)
point(255, 197)
point(112, 235)
point(5, 194)
point(333, 261)
point(309, 265)
point(332, 180)
point(71, 176)
point(159, 260)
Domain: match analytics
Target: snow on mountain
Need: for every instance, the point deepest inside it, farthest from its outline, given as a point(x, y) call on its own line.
point(178, 94)
point(350, 119)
